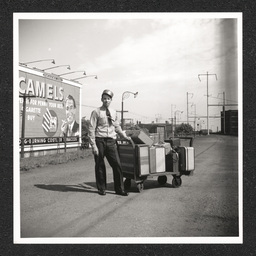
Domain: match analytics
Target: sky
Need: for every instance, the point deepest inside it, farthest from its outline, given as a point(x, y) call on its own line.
point(157, 55)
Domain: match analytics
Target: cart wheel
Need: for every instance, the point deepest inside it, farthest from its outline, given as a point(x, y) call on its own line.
point(176, 182)
point(140, 186)
point(162, 180)
point(127, 184)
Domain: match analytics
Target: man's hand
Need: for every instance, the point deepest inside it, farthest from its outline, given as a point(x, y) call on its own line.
point(95, 150)
point(128, 138)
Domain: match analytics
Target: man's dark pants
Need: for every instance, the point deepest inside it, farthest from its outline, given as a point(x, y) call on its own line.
point(108, 147)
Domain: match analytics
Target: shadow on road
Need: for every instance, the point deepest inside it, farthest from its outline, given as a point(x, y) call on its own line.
point(90, 187)
point(85, 187)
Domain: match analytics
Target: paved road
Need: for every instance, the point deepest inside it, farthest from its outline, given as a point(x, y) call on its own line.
point(62, 200)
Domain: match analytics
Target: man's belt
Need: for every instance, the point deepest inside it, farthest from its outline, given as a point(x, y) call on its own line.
point(104, 138)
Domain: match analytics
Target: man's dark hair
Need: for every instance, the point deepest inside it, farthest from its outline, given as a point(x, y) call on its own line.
point(70, 97)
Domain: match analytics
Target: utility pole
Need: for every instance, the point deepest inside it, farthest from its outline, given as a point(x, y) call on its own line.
point(207, 75)
point(172, 107)
point(187, 104)
point(194, 116)
point(172, 118)
point(224, 118)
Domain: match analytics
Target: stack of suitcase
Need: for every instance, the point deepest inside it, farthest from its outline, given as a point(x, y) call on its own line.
point(148, 159)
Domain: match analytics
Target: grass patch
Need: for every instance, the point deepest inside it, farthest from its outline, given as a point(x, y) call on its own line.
point(41, 161)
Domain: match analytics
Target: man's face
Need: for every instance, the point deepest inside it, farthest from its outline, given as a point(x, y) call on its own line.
point(106, 100)
point(70, 111)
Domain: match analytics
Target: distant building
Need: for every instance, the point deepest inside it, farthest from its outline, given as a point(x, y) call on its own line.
point(229, 122)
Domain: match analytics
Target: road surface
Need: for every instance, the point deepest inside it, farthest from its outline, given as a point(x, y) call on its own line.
point(62, 200)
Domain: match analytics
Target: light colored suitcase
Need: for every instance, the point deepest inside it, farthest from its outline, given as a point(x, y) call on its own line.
point(190, 158)
point(160, 159)
point(143, 160)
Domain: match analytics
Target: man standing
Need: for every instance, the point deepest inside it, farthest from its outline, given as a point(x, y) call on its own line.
point(69, 126)
point(103, 129)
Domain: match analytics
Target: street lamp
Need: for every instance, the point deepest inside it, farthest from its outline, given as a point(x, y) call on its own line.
point(68, 67)
point(52, 60)
point(95, 76)
point(125, 95)
point(73, 72)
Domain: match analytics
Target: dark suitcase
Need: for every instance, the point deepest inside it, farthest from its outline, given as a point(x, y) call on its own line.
point(172, 162)
point(152, 159)
point(134, 161)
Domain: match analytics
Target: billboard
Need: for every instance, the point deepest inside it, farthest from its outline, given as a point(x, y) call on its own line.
point(52, 109)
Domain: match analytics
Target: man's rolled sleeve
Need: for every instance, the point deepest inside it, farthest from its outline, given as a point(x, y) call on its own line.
point(92, 127)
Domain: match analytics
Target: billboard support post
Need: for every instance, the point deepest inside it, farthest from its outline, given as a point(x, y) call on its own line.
point(23, 124)
point(25, 96)
point(65, 143)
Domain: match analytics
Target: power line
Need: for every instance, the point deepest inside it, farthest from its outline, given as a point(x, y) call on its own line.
point(221, 99)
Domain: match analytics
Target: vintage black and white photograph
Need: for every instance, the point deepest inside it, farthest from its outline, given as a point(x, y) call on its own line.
point(127, 128)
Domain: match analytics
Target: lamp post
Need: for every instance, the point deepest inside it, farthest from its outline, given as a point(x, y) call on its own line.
point(84, 73)
point(52, 60)
point(68, 67)
point(125, 95)
point(95, 76)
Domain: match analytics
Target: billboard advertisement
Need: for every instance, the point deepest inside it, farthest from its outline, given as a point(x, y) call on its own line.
point(52, 108)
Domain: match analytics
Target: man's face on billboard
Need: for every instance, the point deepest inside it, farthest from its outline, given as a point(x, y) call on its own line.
point(70, 111)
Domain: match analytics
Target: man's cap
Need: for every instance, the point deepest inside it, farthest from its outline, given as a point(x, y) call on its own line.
point(109, 93)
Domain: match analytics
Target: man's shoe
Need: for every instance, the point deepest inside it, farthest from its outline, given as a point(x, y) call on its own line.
point(102, 192)
point(122, 193)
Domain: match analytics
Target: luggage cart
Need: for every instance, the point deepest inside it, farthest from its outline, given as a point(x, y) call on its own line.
point(138, 162)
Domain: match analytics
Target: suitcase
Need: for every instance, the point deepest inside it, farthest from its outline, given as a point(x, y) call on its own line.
point(127, 159)
point(156, 159)
point(167, 147)
point(134, 160)
point(186, 158)
point(143, 159)
point(152, 159)
point(160, 159)
point(140, 137)
point(172, 162)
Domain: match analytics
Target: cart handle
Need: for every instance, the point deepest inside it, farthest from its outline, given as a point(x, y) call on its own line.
point(191, 140)
point(188, 138)
point(131, 141)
